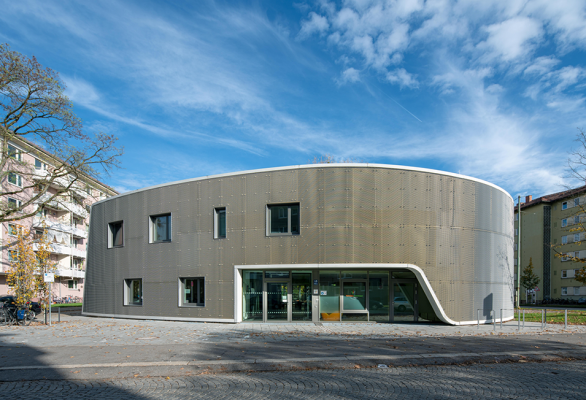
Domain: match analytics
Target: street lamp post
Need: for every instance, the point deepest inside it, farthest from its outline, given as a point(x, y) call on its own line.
point(519, 253)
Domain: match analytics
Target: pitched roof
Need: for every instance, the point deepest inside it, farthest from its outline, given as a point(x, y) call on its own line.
point(550, 198)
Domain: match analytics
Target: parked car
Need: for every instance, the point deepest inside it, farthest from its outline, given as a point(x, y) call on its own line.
point(402, 304)
point(9, 299)
point(582, 300)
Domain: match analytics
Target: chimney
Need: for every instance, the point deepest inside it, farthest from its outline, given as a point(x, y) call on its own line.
point(528, 198)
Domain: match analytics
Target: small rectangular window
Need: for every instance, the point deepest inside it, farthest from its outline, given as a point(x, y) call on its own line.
point(576, 237)
point(220, 223)
point(576, 219)
point(12, 255)
point(516, 217)
point(564, 291)
point(15, 179)
point(516, 231)
point(12, 230)
point(160, 228)
point(72, 284)
point(13, 152)
point(564, 240)
point(564, 205)
point(564, 273)
point(133, 292)
point(515, 246)
point(13, 203)
point(283, 219)
point(192, 292)
point(576, 201)
point(38, 164)
point(576, 290)
point(115, 234)
point(564, 223)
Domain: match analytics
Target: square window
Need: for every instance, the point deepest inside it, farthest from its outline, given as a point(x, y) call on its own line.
point(13, 203)
point(72, 284)
point(115, 234)
point(564, 291)
point(160, 228)
point(564, 240)
point(15, 179)
point(564, 223)
point(283, 219)
point(220, 223)
point(13, 152)
point(577, 201)
point(133, 292)
point(192, 292)
point(564, 205)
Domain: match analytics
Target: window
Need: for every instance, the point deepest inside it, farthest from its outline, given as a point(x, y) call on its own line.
point(565, 257)
point(160, 228)
point(576, 201)
point(515, 246)
point(564, 291)
point(192, 292)
point(516, 231)
point(133, 292)
point(564, 205)
point(515, 262)
point(12, 230)
point(283, 219)
point(15, 179)
point(115, 234)
point(564, 273)
point(13, 203)
point(564, 223)
point(12, 255)
point(576, 237)
point(13, 152)
point(576, 219)
point(219, 223)
point(40, 165)
point(564, 240)
point(516, 217)
point(72, 284)
point(576, 290)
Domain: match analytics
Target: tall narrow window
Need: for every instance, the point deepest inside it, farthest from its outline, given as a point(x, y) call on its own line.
point(13, 152)
point(577, 201)
point(564, 205)
point(38, 164)
point(283, 219)
point(564, 240)
point(133, 292)
point(564, 223)
point(115, 234)
point(220, 223)
point(160, 228)
point(192, 291)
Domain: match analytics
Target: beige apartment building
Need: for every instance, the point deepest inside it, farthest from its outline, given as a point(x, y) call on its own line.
point(65, 219)
point(552, 236)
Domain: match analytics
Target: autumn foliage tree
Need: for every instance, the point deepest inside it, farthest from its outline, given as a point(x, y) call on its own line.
point(529, 279)
point(33, 107)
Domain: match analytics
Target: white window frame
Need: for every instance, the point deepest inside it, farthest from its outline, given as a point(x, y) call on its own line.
point(17, 177)
point(576, 237)
point(16, 201)
point(72, 284)
point(12, 230)
point(111, 225)
point(576, 290)
point(152, 219)
point(128, 295)
point(564, 240)
point(564, 291)
point(217, 212)
point(564, 273)
point(17, 152)
point(565, 205)
point(198, 285)
point(12, 258)
point(564, 223)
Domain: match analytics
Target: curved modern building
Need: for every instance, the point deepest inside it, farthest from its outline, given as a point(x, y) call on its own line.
point(322, 242)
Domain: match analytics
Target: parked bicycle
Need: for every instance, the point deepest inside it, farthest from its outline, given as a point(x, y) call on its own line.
point(10, 314)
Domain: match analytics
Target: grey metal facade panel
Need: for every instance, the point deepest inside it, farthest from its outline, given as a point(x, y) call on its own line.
point(456, 229)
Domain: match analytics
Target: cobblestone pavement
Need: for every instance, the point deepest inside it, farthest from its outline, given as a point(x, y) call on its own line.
point(549, 380)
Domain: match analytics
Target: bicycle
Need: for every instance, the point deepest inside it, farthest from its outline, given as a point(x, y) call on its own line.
point(13, 315)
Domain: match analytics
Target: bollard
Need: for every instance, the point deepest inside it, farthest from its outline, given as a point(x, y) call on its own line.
point(519, 319)
point(493, 321)
point(478, 319)
point(545, 317)
point(542, 316)
point(523, 319)
point(566, 318)
point(59, 320)
point(501, 319)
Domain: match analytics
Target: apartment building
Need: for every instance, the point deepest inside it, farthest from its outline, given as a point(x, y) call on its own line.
point(65, 219)
point(552, 237)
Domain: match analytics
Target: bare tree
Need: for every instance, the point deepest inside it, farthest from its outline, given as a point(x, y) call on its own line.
point(329, 159)
point(35, 113)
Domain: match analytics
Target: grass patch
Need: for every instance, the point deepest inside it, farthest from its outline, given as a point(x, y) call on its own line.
point(67, 305)
point(556, 316)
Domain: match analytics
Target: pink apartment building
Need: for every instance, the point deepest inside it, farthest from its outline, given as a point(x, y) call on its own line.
point(66, 219)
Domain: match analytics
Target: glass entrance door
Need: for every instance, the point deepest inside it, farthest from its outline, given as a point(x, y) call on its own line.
point(277, 304)
point(354, 300)
point(404, 297)
point(301, 296)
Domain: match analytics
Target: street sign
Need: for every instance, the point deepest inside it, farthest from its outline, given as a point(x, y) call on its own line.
point(49, 277)
point(536, 289)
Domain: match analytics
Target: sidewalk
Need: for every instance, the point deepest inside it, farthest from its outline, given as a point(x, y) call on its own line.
point(89, 347)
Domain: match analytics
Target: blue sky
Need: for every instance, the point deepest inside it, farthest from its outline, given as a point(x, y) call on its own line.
point(491, 89)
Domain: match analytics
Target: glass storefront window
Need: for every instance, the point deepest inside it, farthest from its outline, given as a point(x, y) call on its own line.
point(252, 296)
point(301, 296)
point(353, 274)
point(378, 296)
point(329, 302)
point(277, 274)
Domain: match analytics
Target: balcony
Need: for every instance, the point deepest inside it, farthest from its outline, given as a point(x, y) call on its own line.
point(59, 226)
point(70, 273)
point(78, 253)
point(64, 250)
point(63, 205)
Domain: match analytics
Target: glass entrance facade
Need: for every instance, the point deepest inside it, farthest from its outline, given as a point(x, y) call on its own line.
point(341, 295)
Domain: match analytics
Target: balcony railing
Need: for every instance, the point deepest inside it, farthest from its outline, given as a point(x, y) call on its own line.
point(63, 250)
point(63, 205)
point(59, 226)
point(73, 273)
